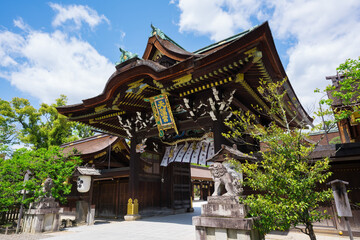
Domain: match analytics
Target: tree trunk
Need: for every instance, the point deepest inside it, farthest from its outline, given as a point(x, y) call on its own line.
point(310, 230)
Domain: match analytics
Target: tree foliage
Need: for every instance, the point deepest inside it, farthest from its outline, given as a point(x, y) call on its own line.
point(42, 163)
point(40, 128)
point(285, 179)
point(347, 93)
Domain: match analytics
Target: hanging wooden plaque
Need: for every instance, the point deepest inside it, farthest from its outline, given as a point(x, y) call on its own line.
point(162, 113)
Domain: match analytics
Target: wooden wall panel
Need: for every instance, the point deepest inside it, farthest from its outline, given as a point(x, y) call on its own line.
point(110, 198)
point(149, 194)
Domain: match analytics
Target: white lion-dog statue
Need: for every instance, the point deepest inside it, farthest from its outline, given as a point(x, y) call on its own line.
point(225, 175)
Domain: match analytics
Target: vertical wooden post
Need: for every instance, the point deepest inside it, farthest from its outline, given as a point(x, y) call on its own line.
point(342, 201)
point(98, 198)
point(26, 178)
point(192, 190)
point(117, 186)
point(134, 170)
point(349, 228)
point(171, 181)
point(89, 215)
point(218, 129)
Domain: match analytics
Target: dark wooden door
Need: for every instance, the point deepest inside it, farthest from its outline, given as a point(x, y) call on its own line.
point(181, 185)
point(123, 197)
point(110, 198)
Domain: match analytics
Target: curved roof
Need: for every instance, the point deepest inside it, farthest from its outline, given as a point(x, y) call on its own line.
point(166, 47)
point(251, 53)
point(91, 145)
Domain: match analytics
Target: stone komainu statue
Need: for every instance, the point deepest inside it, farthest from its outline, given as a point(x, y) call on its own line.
point(225, 175)
point(48, 184)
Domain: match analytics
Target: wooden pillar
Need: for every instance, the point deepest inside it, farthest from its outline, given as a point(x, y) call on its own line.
point(89, 217)
point(134, 170)
point(98, 198)
point(218, 129)
point(201, 191)
point(192, 190)
point(117, 203)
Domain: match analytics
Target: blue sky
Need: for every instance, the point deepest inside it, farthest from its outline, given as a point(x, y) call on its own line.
point(70, 47)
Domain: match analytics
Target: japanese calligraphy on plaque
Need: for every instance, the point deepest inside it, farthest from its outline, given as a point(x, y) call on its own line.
point(162, 113)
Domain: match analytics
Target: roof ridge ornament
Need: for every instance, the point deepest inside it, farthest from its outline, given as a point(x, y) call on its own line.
point(157, 31)
point(125, 55)
point(162, 35)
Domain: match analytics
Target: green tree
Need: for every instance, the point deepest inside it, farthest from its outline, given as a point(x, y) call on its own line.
point(42, 163)
point(8, 136)
point(40, 128)
point(285, 178)
point(345, 97)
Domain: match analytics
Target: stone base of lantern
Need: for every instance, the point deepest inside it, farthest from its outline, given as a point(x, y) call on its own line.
point(44, 216)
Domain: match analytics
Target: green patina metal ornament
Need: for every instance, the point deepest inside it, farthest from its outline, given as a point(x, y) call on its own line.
point(125, 55)
point(162, 35)
point(157, 31)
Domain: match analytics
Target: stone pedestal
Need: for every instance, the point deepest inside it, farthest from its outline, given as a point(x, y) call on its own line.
point(132, 217)
point(91, 216)
point(83, 215)
point(132, 210)
point(82, 208)
point(42, 217)
point(223, 218)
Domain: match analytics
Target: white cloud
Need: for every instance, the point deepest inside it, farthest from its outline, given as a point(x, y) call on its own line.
point(122, 35)
point(323, 33)
point(79, 14)
point(217, 18)
point(46, 65)
point(326, 33)
point(19, 22)
point(10, 47)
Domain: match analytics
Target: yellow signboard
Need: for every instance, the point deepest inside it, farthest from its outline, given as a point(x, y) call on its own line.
point(162, 113)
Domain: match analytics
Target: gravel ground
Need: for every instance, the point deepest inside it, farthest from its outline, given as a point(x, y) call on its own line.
point(23, 236)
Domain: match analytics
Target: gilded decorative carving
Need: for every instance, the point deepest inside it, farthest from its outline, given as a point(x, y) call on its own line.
point(182, 80)
point(100, 154)
point(116, 98)
point(100, 108)
point(257, 55)
point(137, 87)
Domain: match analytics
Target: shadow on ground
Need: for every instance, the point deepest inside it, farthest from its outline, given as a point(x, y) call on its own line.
point(99, 222)
point(182, 218)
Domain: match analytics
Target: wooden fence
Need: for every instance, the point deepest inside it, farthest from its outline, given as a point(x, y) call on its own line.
point(338, 223)
point(10, 216)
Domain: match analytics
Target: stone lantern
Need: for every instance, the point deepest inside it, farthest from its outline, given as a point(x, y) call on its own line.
point(84, 211)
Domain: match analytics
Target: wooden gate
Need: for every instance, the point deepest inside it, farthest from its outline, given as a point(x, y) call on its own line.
point(110, 197)
point(181, 185)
